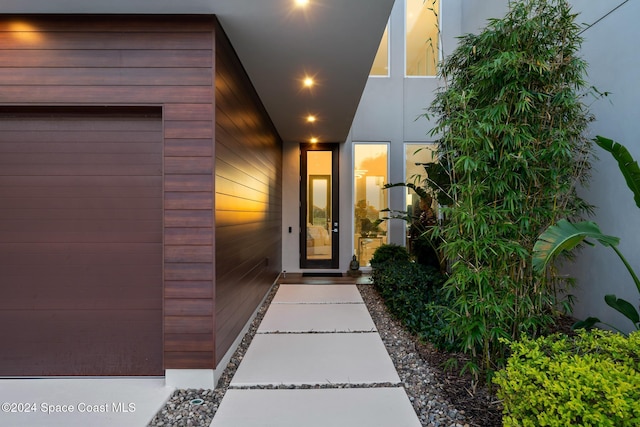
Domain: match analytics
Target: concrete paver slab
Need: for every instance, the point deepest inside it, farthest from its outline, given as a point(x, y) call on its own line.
point(296, 359)
point(82, 402)
point(317, 318)
point(371, 407)
point(328, 294)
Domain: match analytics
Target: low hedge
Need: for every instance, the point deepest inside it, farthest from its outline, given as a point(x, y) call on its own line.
point(411, 291)
point(591, 379)
point(389, 253)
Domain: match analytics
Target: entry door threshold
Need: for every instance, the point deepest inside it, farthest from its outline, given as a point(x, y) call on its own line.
point(322, 274)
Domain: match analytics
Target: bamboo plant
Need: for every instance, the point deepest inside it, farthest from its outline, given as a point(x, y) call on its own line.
point(511, 124)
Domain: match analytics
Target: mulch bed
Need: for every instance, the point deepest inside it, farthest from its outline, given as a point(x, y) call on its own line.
point(479, 402)
point(481, 406)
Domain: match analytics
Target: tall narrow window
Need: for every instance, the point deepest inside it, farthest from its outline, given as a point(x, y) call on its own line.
point(370, 175)
point(380, 66)
point(416, 157)
point(421, 22)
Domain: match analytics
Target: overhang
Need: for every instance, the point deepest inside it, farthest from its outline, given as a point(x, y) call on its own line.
point(279, 44)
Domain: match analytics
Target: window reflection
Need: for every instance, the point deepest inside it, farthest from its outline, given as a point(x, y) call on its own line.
point(371, 173)
point(319, 215)
point(422, 29)
point(380, 66)
point(416, 156)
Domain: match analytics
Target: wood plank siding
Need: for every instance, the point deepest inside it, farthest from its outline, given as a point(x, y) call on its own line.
point(164, 62)
point(248, 189)
point(212, 175)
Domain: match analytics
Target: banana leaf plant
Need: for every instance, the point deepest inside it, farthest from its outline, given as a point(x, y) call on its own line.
point(628, 166)
point(437, 179)
point(400, 214)
point(565, 236)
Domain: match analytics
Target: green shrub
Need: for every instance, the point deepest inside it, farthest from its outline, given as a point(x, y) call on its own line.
point(592, 379)
point(412, 293)
point(389, 253)
point(424, 249)
point(512, 126)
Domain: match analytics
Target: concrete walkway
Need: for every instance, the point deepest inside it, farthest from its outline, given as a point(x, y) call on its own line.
point(316, 335)
point(104, 402)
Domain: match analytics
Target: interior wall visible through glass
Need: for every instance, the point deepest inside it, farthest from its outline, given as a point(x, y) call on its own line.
point(380, 67)
point(416, 157)
point(319, 215)
point(370, 199)
point(422, 34)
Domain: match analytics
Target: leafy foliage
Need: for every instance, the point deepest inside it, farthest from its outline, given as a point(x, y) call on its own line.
point(628, 166)
point(389, 253)
point(565, 236)
point(424, 247)
point(511, 125)
point(592, 379)
point(411, 291)
point(436, 181)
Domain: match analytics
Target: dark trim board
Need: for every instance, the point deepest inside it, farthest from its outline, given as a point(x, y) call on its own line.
point(307, 262)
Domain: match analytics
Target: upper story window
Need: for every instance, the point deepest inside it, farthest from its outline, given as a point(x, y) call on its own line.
point(380, 66)
point(421, 43)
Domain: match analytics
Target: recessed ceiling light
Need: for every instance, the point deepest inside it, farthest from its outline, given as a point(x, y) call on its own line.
point(308, 82)
point(313, 140)
point(311, 118)
point(302, 3)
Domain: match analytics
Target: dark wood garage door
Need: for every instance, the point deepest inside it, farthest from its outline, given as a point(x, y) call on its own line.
point(80, 242)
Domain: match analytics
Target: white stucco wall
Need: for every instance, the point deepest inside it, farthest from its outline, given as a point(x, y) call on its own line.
point(389, 107)
point(475, 13)
point(610, 48)
point(291, 213)
point(387, 113)
point(290, 207)
point(611, 52)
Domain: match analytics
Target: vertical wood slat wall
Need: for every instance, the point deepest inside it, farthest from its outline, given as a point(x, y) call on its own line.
point(172, 62)
point(121, 61)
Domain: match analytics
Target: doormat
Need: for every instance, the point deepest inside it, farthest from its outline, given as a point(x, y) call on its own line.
point(321, 274)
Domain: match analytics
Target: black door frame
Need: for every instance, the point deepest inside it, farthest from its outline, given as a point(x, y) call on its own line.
point(334, 262)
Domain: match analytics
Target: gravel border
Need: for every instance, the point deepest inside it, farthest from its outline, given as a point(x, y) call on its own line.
point(192, 407)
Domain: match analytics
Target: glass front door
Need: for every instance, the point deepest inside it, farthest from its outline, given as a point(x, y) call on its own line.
point(319, 206)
